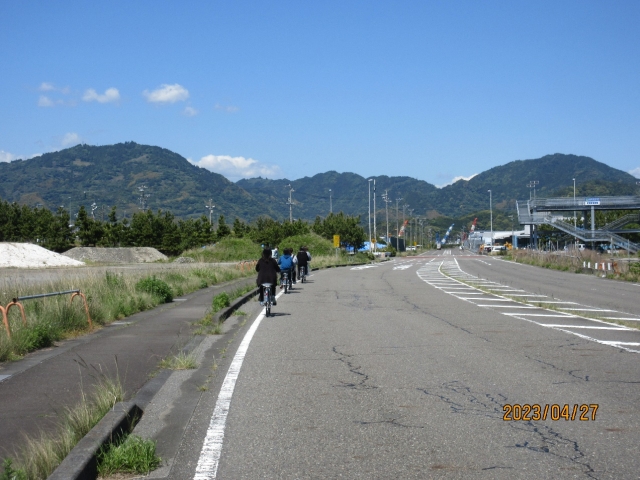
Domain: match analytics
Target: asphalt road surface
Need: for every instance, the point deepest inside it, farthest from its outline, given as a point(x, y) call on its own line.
point(425, 368)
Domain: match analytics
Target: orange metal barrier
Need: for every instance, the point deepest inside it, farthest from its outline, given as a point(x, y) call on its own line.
point(5, 320)
point(86, 306)
point(15, 302)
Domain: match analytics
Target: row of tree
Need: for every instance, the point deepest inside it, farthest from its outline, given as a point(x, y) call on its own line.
point(161, 230)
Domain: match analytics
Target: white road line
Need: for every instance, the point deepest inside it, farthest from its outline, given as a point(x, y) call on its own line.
point(428, 275)
point(4, 377)
point(207, 467)
point(582, 326)
point(623, 318)
point(585, 309)
point(507, 306)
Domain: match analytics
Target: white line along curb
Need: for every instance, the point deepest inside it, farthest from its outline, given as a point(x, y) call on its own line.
point(212, 447)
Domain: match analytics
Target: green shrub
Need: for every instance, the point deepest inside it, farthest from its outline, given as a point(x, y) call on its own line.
point(155, 287)
point(315, 243)
point(635, 268)
point(221, 301)
point(134, 455)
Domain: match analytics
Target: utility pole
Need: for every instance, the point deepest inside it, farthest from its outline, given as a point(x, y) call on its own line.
point(410, 226)
point(290, 202)
point(330, 203)
point(385, 197)
point(210, 207)
point(397, 227)
point(143, 196)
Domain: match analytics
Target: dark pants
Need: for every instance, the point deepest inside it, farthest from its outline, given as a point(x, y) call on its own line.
point(288, 271)
point(273, 293)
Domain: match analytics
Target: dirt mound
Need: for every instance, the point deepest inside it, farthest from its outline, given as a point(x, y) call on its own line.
point(116, 255)
point(27, 255)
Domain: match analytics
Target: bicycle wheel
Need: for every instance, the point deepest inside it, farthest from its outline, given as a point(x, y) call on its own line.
point(286, 285)
point(268, 310)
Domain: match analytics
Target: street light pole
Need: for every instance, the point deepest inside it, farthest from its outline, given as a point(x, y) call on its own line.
point(290, 203)
point(375, 231)
point(210, 207)
point(330, 204)
point(369, 219)
point(491, 212)
point(397, 227)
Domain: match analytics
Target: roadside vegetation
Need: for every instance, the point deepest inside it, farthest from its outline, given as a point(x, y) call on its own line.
point(623, 268)
point(110, 297)
point(41, 455)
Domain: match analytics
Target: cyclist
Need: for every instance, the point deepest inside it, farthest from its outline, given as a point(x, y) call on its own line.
point(267, 269)
point(303, 259)
point(286, 265)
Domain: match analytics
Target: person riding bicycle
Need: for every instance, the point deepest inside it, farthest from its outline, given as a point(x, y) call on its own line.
point(267, 269)
point(303, 260)
point(286, 265)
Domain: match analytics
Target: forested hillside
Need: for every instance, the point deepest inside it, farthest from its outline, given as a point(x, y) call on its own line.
point(113, 175)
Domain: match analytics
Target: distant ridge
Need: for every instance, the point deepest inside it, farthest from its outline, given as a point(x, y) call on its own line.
point(111, 174)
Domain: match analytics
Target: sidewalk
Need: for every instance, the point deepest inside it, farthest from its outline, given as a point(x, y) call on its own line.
point(36, 389)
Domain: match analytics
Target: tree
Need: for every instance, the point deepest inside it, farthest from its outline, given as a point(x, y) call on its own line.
point(223, 229)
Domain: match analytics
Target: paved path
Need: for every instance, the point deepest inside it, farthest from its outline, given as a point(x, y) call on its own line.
point(34, 391)
point(374, 372)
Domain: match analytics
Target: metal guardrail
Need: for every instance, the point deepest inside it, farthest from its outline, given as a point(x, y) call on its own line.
point(622, 221)
point(594, 235)
point(16, 303)
point(581, 203)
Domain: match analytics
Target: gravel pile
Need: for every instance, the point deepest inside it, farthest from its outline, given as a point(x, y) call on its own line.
point(116, 255)
point(27, 255)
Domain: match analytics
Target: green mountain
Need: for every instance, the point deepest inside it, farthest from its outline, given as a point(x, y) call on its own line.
point(508, 183)
point(113, 174)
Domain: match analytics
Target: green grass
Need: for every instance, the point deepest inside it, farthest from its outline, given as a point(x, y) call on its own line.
point(228, 249)
point(181, 361)
point(41, 455)
point(109, 296)
point(133, 455)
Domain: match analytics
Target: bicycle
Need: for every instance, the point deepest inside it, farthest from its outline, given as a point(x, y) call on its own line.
point(286, 282)
point(303, 273)
point(268, 301)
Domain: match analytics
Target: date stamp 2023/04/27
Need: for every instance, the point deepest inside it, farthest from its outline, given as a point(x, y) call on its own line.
point(555, 412)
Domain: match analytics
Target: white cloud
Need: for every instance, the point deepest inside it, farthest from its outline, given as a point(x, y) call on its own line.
point(110, 95)
point(457, 179)
point(167, 94)
point(45, 101)
point(235, 168)
point(226, 108)
point(190, 112)
point(46, 87)
point(70, 139)
point(635, 172)
point(6, 156)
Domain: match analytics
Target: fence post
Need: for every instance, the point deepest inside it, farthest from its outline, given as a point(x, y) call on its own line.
point(86, 307)
point(13, 303)
point(5, 320)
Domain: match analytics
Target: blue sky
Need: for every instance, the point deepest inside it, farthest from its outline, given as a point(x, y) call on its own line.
point(430, 89)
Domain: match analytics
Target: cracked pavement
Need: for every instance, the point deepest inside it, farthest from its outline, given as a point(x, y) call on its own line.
point(372, 373)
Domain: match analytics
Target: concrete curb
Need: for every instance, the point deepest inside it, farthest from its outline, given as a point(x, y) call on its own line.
point(81, 463)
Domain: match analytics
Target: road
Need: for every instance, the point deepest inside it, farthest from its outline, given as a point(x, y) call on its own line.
point(404, 370)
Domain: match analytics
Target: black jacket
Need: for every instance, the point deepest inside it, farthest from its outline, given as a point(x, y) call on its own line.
point(267, 271)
